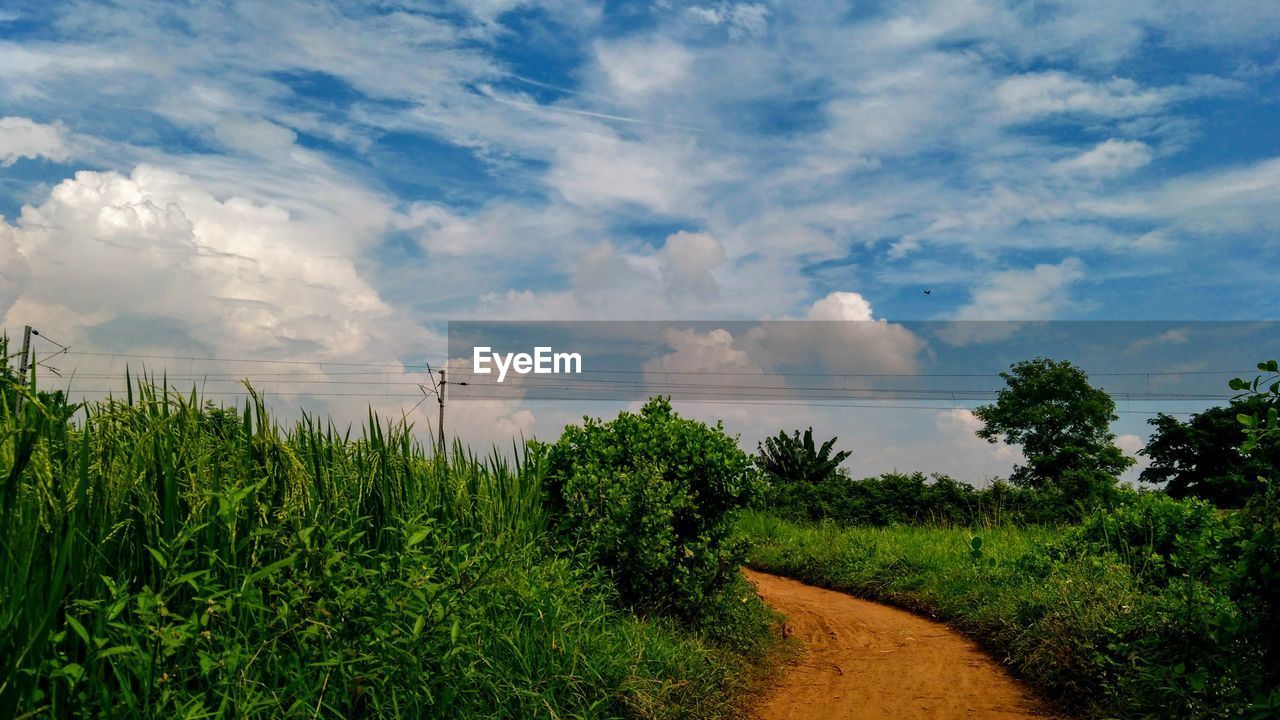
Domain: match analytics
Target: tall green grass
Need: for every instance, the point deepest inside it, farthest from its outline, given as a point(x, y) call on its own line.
point(160, 557)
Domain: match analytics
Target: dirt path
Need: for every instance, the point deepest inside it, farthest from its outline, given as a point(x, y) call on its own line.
point(865, 660)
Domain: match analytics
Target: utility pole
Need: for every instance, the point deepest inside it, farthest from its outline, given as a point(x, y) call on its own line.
point(440, 396)
point(22, 366)
point(438, 387)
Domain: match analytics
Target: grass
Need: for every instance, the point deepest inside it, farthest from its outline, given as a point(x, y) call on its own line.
point(165, 558)
point(1083, 627)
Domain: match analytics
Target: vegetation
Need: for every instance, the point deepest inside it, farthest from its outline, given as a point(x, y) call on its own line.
point(905, 498)
point(163, 558)
point(1201, 457)
point(1108, 624)
point(652, 498)
point(1064, 427)
point(1150, 606)
point(791, 460)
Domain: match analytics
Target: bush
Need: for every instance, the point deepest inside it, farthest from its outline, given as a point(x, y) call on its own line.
point(651, 498)
point(1156, 535)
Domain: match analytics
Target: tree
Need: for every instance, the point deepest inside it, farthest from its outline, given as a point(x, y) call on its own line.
point(791, 459)
point(1063, 425)
point(1202, 458)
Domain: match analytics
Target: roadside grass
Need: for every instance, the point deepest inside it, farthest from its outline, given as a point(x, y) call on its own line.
point(1083, 627)
point(160, 557)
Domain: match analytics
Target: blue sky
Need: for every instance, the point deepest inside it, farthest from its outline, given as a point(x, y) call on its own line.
point(333, 181)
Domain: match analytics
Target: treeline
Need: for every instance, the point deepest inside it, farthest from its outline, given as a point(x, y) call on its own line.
point(1072, 467)
point(906, 499)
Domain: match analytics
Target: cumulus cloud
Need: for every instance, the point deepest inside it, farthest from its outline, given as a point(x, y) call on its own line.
point(841, 306)
point(688, 261)
point(964, 453)
point(694, 352)
point(838, 335)
point(13, 269)
point(24, 138)
point(112, 249)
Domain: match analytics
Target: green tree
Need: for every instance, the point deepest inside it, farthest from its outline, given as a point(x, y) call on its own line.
point(791, 459)
point(1063, 425)
point(1202, 457)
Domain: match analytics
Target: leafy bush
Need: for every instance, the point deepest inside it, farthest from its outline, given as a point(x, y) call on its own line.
point(1156, 535)
point(651, 497)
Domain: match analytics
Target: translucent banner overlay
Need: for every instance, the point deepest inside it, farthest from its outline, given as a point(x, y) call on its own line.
point(1153, 366)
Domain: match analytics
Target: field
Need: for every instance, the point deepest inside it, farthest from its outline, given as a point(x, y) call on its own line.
point(164, 558)
point(1104, 626)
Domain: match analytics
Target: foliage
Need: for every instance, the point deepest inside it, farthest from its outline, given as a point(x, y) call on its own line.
point(1072, 620)
point(1202, 458)
point(1153, 607)
point(792, 460)
point(901, 498)
point(1063, 425)
point(651, 497)
point(160, 558)
point(1157, 536)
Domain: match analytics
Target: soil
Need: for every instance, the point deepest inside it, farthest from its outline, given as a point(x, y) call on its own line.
point(866, 660)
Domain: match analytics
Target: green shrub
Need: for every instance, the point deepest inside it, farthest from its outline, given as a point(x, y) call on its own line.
point(651, 498)
point(1157, 535)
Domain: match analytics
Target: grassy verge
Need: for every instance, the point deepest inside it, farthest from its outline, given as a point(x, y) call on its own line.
point(1085, 628)
point(163, 558)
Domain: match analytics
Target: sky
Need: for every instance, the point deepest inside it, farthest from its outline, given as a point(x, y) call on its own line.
point(334, 182)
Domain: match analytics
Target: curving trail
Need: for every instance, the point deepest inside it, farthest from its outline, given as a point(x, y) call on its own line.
point(865, 660)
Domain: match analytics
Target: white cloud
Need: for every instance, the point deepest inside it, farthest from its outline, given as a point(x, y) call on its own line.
point(13, 269)
point(607, 172)
point(1108, 159)
point(254, 135)
point(1236, 200)
point(710, 352)
point(1024, 97)
point(154, 246)
point(838, 335)
point(24, 138)
point(741, 19)
point(1036, 294)
point(638, 69)
point(841, 306)
point(688, 260)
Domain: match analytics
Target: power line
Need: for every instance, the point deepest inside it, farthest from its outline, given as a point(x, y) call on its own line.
point(418, 368)
point(721, 401)
point(243, 360)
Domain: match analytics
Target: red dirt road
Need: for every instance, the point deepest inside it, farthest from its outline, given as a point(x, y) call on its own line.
point(865, 660)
